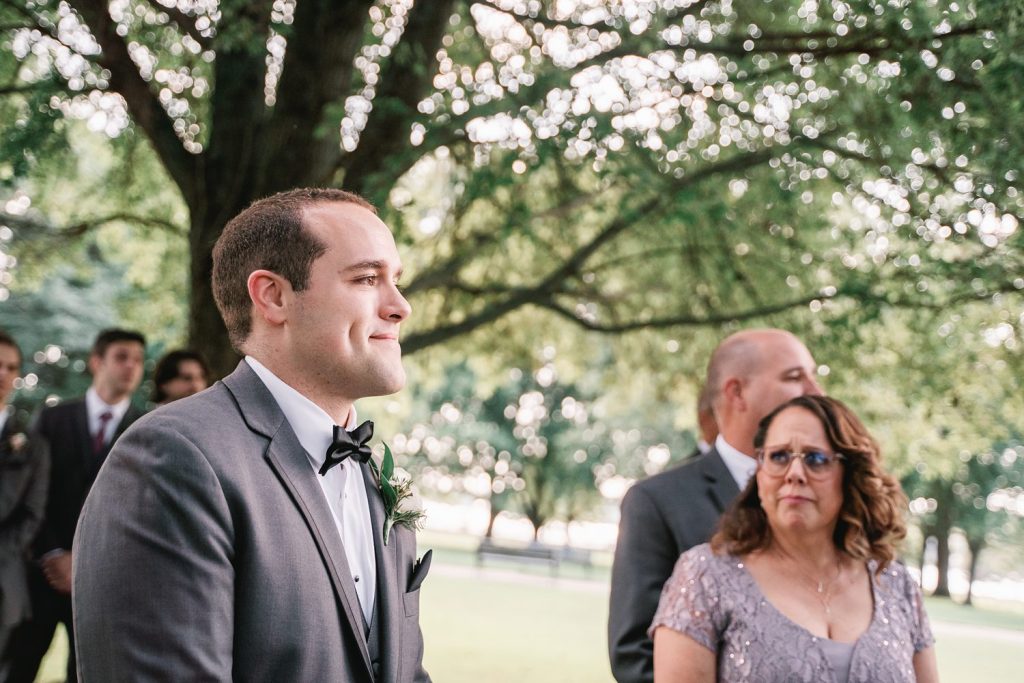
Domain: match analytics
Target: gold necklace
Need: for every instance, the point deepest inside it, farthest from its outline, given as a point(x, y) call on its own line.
point(823, 591)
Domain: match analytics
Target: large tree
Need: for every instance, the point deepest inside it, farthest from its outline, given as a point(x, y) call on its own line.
point(622, 165)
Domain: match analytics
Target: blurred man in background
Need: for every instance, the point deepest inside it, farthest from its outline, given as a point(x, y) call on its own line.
point(80, 433)
point(178, 374)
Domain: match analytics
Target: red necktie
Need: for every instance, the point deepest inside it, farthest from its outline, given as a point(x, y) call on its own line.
point(99, 439)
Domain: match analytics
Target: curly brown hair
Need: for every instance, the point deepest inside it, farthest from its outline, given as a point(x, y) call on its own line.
point(871, 518)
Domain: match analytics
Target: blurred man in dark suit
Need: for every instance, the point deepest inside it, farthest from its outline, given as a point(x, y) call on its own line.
point(80, 433)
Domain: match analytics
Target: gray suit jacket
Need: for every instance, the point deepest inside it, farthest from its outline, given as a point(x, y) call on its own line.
point(207, 551)
point(662, 517)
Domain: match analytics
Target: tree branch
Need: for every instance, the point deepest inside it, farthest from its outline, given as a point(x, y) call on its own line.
point(553, 282)
point(185, 23)
point(405, 80)
point(318, 67)
point(146, 110)
point(855, 294)
point(82, 227)
point(13, 89)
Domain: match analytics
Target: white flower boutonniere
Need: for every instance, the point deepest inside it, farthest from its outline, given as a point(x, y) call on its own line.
point(402, 504)
point(17, 441)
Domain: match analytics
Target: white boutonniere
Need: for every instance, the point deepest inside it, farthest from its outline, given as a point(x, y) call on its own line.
point(17, 441)
point(402, 504)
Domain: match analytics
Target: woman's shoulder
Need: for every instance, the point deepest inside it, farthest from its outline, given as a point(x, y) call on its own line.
point(701, 559)
point(895, 572)
point(895, 579)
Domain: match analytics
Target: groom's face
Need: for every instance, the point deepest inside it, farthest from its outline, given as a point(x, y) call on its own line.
point(345, 324)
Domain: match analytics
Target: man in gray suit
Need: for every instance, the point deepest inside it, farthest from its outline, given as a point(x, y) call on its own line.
point(750, 373)
point(24, 476)
point(247, 539)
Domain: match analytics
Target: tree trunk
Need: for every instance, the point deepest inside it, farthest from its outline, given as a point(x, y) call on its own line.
point(943, 525)
point(493, 515)
point(207, 333)
point(926, 533)
point(976, 545)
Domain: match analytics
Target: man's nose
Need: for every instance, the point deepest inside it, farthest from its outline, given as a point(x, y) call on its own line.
point(811, 387)
point(397, 307)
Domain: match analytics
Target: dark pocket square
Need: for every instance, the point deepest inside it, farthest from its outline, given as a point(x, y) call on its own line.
point(419, 571)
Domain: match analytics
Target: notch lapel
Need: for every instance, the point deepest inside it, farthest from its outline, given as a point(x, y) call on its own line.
point(389, 599)
point(722, 487)
point(80, 425)
point(288, 460)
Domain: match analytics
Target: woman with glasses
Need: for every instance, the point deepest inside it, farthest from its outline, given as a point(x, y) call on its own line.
point(800, 582)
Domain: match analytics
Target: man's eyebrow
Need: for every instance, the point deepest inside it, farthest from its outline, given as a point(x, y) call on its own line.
point(369, 265)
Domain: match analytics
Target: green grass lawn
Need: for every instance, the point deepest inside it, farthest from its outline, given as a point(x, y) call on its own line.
point(984, 613)
point(480, 627)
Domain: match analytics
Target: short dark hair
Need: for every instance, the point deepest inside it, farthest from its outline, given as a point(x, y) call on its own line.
point(8, 340)
point(168, 367)
point(112, 336)
point(268, 235)
point(871, 517)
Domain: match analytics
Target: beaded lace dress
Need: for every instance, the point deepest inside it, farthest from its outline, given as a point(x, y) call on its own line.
point(714, 600)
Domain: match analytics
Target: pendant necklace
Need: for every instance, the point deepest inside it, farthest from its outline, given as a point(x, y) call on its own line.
point(823, 591)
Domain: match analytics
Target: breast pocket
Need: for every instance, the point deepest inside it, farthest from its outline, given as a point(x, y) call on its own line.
point(412, 603)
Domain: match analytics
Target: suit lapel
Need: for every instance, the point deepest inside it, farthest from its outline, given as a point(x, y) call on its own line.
point(88, 464)
point(722, 487)
point(389, 601)
point(287, 458)
point(130, 416)
point(80, 425)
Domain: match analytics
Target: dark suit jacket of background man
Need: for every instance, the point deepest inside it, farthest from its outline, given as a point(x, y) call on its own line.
point(222, 560)
point(73, 468)
point(24, 475)
point(662, 517)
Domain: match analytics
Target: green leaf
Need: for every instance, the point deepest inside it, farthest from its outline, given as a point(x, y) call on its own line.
point(387, 465)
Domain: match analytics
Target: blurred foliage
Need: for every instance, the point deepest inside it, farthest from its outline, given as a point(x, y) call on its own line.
point(535, 444)
point(605, 188)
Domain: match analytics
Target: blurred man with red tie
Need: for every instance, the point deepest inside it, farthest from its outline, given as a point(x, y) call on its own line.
point(80, 433)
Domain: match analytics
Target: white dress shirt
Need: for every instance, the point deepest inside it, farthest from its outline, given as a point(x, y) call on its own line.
point(741, 466)
point(343, 484)
point(96, 406)
point(4, 413)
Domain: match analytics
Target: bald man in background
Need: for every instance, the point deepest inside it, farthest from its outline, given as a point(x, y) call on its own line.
point(749, 374)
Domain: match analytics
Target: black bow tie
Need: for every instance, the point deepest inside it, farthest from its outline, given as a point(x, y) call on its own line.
point(348, 444)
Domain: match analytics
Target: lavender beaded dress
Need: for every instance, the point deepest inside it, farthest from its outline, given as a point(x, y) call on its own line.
point(715, 601)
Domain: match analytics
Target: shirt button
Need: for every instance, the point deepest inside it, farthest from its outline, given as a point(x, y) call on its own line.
point(357, 578)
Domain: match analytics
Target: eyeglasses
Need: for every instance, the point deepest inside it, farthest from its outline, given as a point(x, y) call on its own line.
point(817, 464)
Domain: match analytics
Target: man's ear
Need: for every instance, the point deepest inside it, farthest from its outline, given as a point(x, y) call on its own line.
point(94, 363)
point(732, 390)
point(271, 295)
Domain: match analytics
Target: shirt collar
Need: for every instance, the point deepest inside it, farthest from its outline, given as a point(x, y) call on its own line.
point(313, 427)
point(740, 465)
point(96, 406)
point(4, 415)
